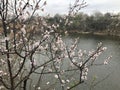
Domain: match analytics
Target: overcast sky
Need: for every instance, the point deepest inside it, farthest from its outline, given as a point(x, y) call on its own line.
point(61, 6)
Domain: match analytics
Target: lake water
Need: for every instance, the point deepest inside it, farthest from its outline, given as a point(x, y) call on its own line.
point(103, 77)
point(111, 71)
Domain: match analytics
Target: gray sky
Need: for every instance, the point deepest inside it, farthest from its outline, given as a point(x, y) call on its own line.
point(61, 6)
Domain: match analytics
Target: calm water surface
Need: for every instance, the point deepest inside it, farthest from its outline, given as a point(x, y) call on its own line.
point(105, 77)
point(97, 75)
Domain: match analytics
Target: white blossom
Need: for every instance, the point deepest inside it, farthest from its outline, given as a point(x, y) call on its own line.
point(54, 47)
point(56, 76)
point(41, 67)
point(63, 81)
point(84, 77)
point(54, 26)
point(50, 70)
point(48, 83)
point(66, 32)
point(72, 54)
point(71, 64)
point(86, 69)
point(23, 30)
point(62, 72)
point(46, 46)
point(105, 62)
point(60, 21)
point(1, 72)
point(66, 56)
point(85, 73)
point(3, 61)
point(66, 22)
point(99, 44)
point(49, 27)
point(38, 88)
point(91, 52)
point(74, 61)
point(41, 47)
point(47, 34)
point(8, 27)
point(104, 48)
point(33, 85)
point(36, 44)
point(2, 87)
point(68, 87)
point(58, 25)
point(80, 64)
point(4, 73)
point(57, 67)
point(80, 54)
point(7, 38)
point(67, 80)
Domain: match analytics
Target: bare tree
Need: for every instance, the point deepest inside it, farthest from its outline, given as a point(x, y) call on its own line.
point(25, 54)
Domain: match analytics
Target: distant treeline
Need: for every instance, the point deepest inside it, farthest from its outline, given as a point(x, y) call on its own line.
point(97, 22)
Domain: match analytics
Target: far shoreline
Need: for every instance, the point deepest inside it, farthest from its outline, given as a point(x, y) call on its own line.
point(95, 33)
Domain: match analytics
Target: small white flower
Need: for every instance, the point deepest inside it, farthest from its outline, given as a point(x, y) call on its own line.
point(99, 44)
point(84, 77)
point(74, 60)
point(86, 69)
point(80, 64)
point(50, 70)
point(62, 72)
point(2, 88)
point(80, 54)
point(84, 51)
point(38, 88)
point(54, 26)
point(21, 62)
point(71, 64)
point(57, 67)
point(41, 68)
point(66, 22)
point(41, 47)
point(66, 32)
point(105, 62)
point(85, 73)
point(33, 85)
point(23, 30)
point(8, 27)
point(5, 73)
point(48, 83)
point(58, 25)
point(104, 48)
point(66, 56)
point(72, 54)
point(36, 44)
point(56, 76)
point(68, 87)
point(7, 38)
point(67, 80)
point(47, 34)
point(1, 71)
point(63, 81)
point(71, 22)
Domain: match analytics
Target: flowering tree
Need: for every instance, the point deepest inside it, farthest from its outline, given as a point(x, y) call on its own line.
point(25, 54)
